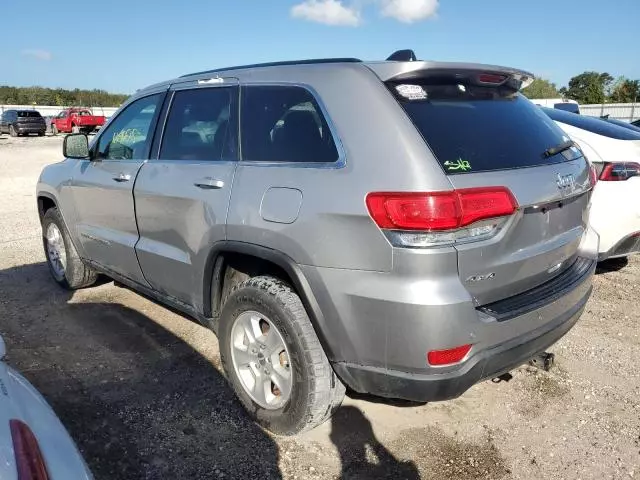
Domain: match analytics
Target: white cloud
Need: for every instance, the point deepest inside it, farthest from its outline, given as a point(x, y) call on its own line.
point(43, 55)
point(328, 12)
point(409, 11)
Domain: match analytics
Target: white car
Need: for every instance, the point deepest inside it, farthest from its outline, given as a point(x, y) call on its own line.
point(615, 205)
point(33, 443)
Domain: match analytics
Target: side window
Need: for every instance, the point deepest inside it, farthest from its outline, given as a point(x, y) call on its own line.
point(284, 124)
point(128, 136)
point(201, 125)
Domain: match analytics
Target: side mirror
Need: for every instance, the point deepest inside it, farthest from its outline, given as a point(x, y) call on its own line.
point(76, 145)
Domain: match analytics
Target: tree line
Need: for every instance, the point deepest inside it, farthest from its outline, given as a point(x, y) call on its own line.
point(588, 88)
point(59, 97)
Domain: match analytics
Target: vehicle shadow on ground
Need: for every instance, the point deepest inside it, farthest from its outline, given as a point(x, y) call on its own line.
point(138, 401)
point(612, 265)
point(362, 456)
point(142, 403)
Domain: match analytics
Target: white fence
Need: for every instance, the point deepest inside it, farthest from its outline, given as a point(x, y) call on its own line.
point(627, 112)
point(48, 110)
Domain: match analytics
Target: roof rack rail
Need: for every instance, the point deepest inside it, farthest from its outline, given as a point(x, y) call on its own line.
point(279, 64)
point(403, 56)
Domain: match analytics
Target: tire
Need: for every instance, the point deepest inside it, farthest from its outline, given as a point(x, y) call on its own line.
point(54, 130)
point(75, 273)
point(41, 134)
point(75, 129)
point(12, 131)
point(316, 392)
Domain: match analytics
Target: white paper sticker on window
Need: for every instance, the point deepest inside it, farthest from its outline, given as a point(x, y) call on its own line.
point(412, 92)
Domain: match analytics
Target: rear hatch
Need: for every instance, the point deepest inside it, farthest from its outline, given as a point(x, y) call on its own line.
point(485, 134)
point(30, 117)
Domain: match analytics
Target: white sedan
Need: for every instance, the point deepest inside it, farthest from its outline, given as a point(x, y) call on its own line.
point(615, 205)
point(33, 443)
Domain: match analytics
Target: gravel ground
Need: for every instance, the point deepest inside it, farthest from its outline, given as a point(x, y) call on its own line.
point(140, 389)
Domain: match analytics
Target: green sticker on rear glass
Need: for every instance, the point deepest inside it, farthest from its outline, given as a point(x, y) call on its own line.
point(458, 165)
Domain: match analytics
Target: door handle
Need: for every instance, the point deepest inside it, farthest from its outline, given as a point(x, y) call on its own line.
point(209, 184)
point(122, 177)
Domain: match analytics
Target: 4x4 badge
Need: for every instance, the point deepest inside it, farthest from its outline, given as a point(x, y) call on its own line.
point(459, 164)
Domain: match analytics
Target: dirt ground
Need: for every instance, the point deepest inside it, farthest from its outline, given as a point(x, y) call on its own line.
point(139, 387)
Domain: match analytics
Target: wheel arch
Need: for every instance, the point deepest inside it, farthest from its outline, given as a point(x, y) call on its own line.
point(45, 202)
point(225, 254)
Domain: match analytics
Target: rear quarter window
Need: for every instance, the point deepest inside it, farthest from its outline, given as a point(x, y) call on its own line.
point(472, 128)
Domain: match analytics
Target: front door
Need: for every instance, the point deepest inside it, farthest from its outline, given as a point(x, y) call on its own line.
point(102, 188)
point(182, 196)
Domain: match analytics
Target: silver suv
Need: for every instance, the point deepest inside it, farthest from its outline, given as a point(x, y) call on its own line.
point(402, 228)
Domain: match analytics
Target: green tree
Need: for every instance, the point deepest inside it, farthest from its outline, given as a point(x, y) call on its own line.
point(541, 88)
point(589, 87)
point(59, 97)
point(625, 91)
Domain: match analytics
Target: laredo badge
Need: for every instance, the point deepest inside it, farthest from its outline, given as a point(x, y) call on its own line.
point(458, 165)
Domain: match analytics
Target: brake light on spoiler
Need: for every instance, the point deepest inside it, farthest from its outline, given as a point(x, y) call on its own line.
point(441, 218)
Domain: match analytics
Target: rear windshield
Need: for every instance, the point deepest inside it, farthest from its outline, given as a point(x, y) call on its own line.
point(592, 124)
point(474, 128)
point(567, 107)
point(28, 113)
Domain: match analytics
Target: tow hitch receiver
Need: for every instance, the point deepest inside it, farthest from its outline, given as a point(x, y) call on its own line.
point(543, 361)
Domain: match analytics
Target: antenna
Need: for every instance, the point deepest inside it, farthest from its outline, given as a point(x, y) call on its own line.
point(403, 56)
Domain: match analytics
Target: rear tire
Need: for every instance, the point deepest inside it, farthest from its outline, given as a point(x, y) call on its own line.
point(75, 129)
point(65, 266)
point(41, 134)
point(315, 391)
point(12, 131)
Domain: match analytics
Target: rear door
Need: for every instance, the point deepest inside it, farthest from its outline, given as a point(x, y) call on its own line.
point(102, 188)
point(182, 194)
point(487, 135)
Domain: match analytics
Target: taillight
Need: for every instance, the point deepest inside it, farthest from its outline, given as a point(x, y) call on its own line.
point(29, 460)
point(619, 171)
point(427, 219)
point(492, 78)
point(449, 356)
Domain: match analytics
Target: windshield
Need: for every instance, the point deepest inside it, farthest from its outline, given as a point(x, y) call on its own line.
point(477, 128)
point(592, 124)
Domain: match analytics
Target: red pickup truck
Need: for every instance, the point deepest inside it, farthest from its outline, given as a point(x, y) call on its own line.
point(76, 120)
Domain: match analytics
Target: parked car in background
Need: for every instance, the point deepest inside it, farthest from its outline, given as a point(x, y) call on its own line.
point(391, 256)
point(620, 123)
point(615, 152)
point(34, 445)
point(558, 103)
point(76, 120)
point(22, 122)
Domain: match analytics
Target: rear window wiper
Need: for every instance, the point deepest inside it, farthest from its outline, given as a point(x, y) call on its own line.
point(550, 152)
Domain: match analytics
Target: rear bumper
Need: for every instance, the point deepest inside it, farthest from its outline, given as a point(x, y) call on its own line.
point(484, 365)
point(625, 247)
point(30, 128)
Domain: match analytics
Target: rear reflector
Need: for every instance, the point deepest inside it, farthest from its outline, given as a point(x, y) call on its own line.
point(438, 211)
point(29, 461)
point(447, 357)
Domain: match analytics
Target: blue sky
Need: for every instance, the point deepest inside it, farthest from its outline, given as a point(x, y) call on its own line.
point(122, 45)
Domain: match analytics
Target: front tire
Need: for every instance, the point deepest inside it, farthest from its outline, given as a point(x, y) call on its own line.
point(273, 358)
point(12, 131)
point(54, 130)
point(65, 266)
